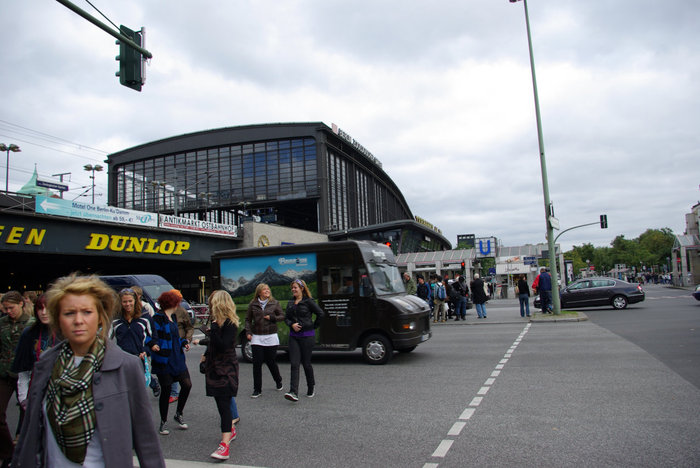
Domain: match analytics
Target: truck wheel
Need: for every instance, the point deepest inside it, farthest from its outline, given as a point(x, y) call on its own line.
point(406, 350)
point(377, 349)
point(246, 349)
point(619, 302)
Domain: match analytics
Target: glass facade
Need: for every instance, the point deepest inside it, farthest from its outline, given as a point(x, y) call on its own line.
point(300, 175)
point(356, 198)
point(213, 183)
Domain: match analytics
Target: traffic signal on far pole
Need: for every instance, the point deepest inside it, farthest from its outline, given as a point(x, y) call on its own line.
point(130, 61)
point(603, 221)
point(462, 265)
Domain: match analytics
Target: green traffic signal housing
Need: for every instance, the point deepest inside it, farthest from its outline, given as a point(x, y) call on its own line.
point(130, 60)
point(603, 221)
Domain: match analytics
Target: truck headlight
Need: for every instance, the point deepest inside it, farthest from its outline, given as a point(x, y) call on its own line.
point(408, 326)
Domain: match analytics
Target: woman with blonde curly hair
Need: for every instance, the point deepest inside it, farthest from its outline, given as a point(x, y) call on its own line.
point(86, 390)
point(221, 364)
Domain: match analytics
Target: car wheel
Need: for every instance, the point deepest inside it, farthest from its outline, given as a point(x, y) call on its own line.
point(246, 349)
point(377, 349)
point(619, 302)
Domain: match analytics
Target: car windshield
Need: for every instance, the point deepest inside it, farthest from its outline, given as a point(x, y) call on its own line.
point(386, 278)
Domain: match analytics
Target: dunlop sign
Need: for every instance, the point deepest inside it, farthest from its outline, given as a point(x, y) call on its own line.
point(38, 234)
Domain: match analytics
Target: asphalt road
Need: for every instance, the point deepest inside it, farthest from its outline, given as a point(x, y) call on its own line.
point(501, 393)
point(666, 325)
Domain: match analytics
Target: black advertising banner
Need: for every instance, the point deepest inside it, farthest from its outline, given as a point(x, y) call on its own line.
point(51, 235)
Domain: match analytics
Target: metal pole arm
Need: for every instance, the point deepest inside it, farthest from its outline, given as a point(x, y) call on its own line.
point(104, 27)
point(569, 229)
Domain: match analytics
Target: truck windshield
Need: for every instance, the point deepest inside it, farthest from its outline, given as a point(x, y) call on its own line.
point(386, 278)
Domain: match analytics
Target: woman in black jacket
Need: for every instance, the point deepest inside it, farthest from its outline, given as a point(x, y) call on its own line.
point(220, 364)
point(302, 336)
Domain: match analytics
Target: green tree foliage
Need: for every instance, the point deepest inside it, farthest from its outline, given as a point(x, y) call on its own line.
point(649, 250)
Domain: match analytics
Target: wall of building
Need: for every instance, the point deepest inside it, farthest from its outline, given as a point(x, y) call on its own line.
point(265, 235)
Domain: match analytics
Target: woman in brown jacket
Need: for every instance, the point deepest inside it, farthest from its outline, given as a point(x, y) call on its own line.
point(261, 330)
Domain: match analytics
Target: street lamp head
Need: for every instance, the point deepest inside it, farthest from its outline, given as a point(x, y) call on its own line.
point(14, 148)
point(98, 168)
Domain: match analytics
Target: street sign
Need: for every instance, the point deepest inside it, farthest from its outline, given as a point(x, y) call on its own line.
point(554, 222)
point(530, 260)
point(51, 185)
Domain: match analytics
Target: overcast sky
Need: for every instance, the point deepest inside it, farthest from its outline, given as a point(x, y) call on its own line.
point(440, 92)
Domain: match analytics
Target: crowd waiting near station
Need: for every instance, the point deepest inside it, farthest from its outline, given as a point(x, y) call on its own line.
point(81, 356)
point(449, 298)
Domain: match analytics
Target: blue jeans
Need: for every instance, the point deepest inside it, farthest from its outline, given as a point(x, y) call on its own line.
point(524, 304)
point(546, 301)
point(234, 408)
point(480, 310)
point(461, 307)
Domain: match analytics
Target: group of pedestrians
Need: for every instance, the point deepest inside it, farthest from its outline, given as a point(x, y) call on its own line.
point(81, 367)
point(449, 297)
point(439, 293)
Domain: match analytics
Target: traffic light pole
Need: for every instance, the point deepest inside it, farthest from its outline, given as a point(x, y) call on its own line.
point(548, 211)
point(104, 27)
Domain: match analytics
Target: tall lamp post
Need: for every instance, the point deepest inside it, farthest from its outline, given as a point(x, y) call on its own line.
point(548, 211)
point(90, 167)
point(15, 149)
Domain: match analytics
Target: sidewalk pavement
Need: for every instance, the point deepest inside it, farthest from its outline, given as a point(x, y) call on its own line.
point(508, 311)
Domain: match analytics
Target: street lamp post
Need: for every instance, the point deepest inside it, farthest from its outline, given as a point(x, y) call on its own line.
point(11, 148)
point(90, 167)
point(548, 211)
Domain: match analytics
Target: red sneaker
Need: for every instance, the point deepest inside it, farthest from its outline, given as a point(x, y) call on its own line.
point(221, 452)
point(233, 433)
point(172, 399)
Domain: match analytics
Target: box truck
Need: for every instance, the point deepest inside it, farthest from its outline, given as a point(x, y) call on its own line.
point(356, 283)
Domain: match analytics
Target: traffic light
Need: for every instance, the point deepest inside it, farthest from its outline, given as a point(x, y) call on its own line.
point(603, 221)
point(462, 265)
point(130, 61)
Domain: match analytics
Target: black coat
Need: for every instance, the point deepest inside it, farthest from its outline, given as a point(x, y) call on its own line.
point(221, 364)
point(478, 291)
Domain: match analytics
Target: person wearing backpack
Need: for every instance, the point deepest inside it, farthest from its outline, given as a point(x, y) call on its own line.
point(439, 298)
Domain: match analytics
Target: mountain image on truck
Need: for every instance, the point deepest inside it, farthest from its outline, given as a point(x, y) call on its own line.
point(356, 283)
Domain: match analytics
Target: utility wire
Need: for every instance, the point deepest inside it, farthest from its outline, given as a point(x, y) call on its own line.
point(48, 137)
point(97, 10)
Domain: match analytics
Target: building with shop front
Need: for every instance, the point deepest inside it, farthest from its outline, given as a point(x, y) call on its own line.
point(300, 175)
point(686, 251)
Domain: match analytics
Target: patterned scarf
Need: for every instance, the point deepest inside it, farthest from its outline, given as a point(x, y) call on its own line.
point(69, 403)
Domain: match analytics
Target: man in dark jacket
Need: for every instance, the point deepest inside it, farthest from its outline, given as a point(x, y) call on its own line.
point(423, 290)
point(480, 296)
point(459, 288)
point(544, 287)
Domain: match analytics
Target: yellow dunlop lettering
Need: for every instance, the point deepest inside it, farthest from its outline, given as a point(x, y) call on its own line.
point(97, 242)
point(129, 244)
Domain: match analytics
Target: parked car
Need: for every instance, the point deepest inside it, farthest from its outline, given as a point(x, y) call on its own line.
point(696, 294)
point(599, 292)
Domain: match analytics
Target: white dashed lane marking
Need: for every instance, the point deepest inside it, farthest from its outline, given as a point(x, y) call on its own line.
point(456, 429)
